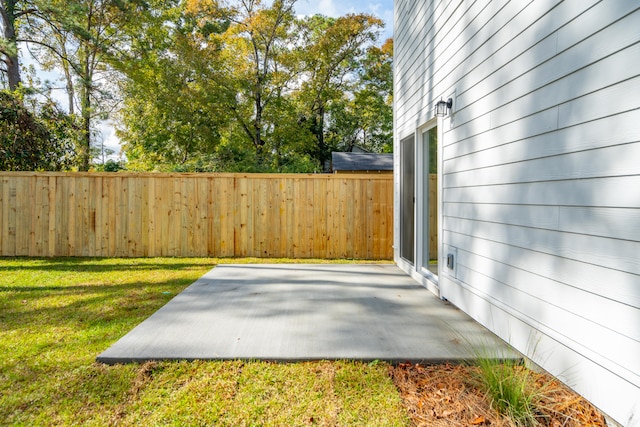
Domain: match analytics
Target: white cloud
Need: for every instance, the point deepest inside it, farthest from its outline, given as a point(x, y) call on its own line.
point(327, 7)
point(375, 7)
point(311, 7)
point(332, 8)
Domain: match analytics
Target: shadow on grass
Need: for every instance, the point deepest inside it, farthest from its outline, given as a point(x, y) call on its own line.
point(76, 307)
point(81, 289)
point(50, 335)
point(83, 305)
point(95, 265)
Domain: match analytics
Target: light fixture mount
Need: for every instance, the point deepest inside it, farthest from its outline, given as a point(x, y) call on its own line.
point(443, 107)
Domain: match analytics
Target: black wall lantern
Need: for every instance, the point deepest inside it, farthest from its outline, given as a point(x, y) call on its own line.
point(443, 107)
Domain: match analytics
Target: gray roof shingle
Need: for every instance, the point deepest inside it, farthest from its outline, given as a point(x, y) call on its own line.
point(361, 162)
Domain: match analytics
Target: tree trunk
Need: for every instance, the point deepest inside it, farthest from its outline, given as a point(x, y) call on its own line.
point(321, 152)
point(85, 152)
point(66, 68)
point(85, 113)
point(7, 11)
point(13, 72)
point(257, 129)
point(324, 155)
point(70, 90)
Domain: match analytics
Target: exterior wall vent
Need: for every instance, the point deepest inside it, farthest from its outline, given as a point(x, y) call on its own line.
point(450, 260)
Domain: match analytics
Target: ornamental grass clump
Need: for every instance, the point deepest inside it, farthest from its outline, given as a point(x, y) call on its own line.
point(510, 389)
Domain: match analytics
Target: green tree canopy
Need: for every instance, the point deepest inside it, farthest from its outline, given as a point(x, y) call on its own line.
point(366, 117)
point(248, 86)
point(211, 85)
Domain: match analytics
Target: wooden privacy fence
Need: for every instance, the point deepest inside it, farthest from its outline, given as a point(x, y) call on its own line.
point(141, 215)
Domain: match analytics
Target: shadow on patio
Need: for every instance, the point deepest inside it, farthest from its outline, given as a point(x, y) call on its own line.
point(306, 312)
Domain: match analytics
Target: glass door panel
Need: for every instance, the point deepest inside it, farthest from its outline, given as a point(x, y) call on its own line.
point(407, 198)
point(430, 200)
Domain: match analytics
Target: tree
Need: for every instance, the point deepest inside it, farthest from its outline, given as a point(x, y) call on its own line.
point(366, 117)
point(257, 71)
point(333, 51)
point(8, 45)
point(42, 139)
point(10, 12)
point(171, 116)
point(51, 45)
point(224, 102)
point(245, 86)
point(76, 36)
point(374, 99)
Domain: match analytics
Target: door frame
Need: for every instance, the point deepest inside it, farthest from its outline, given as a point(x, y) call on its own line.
point(429, 281)
point(421, 217)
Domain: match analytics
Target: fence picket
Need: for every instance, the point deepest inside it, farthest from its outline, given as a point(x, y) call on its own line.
point(130, 214)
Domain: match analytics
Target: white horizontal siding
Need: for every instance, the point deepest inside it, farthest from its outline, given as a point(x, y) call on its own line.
point(536, 67)
point(498, 54)
point(618, 395)
point(440, 39)
point(603, 222)
point(610, 253)
point(617, 192)
point(608, 78)
point(584, 276)
point(418, 90)
point(577, 165)
point(528, 138)
point(529, 297)
point(612, 317)
point(467, 48)
point(513, 83)
point(541, 175)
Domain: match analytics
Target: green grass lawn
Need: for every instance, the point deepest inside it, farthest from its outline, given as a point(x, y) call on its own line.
point(57, 315)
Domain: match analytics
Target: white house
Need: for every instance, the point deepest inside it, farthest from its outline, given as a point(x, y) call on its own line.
point(537, 169)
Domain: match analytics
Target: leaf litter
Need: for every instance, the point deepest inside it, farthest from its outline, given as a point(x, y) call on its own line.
point(448, 395)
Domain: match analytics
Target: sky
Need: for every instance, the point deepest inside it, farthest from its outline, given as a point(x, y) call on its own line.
point(383, 9)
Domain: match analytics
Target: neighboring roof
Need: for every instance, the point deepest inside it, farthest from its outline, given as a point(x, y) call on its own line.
point(361, 162)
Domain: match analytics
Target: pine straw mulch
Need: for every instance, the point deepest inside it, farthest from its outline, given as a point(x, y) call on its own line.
point(444, 395)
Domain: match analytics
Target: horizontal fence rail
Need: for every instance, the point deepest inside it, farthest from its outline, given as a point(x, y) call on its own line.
point(225, 215)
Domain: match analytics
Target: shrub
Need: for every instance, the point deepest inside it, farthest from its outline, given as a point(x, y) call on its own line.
point(39, 140)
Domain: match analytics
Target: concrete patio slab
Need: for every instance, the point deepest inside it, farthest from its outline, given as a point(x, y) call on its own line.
point(295, 312)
